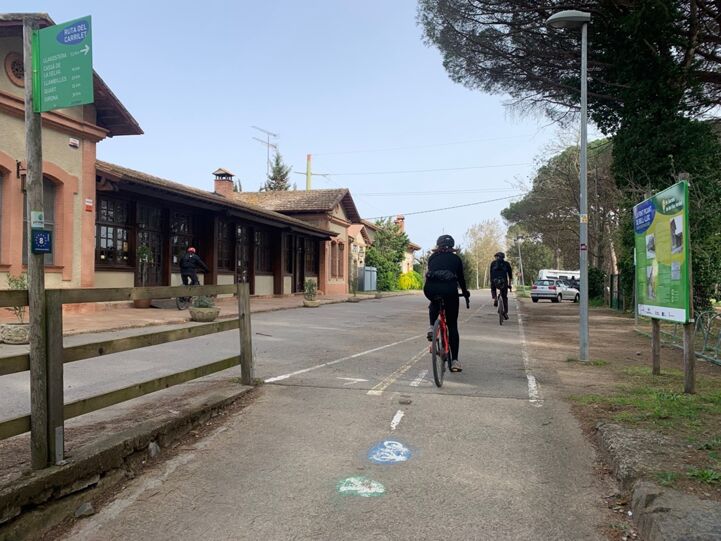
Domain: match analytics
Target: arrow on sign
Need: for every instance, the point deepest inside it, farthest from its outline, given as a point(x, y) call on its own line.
point(352, 381)
point(85, 49)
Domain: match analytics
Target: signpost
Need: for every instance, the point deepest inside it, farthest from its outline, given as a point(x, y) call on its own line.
point(663, 265)
point(58, 64)
point(63, 65)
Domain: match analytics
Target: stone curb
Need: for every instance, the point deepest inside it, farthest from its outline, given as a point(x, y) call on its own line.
point(87, 468)
point(660, 514)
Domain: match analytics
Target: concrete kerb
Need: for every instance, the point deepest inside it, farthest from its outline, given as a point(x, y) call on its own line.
point(659, 513)
point(97, 460)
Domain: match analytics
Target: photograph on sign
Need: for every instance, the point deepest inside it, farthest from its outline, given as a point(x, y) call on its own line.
point(663, 256)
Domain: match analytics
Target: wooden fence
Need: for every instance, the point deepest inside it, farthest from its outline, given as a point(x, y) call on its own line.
point(46, 422)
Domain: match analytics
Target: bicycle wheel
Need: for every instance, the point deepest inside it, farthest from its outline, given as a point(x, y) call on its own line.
point(182, 302)
point(437, 354)
point(501, 309)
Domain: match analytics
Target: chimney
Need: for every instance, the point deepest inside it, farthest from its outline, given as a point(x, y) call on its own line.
point(400, 221)
point(224, 183)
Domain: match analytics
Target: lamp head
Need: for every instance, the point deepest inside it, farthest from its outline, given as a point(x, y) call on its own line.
point(569, 19)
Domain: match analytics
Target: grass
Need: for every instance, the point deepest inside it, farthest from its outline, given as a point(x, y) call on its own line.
point(666, 478)
point(705, 475)
point(596, 362)
point(597, 303)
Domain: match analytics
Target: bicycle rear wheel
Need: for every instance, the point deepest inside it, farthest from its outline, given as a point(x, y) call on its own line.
point(501, 310)
point(437, 354)
point(182, 302)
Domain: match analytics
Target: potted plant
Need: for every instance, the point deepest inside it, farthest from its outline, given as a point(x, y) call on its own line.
point(144, 257)
point(16, 333)
point(354, 286)
point(310, 290)
point(203, 309)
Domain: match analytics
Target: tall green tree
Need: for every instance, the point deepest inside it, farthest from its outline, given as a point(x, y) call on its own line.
point(278, 180)
point(386, 253)
point(482, 241)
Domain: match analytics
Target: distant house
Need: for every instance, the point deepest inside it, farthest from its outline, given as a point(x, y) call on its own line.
point(333, 210)
point(360, 241)
point(411, 249)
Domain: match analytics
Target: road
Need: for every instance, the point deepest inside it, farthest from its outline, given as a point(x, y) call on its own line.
point(350, 439)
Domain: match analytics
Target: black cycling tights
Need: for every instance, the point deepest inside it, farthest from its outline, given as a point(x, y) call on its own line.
point(451, 304)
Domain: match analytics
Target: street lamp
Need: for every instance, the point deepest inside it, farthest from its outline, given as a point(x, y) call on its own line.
point(519, 238)
point(576, 19)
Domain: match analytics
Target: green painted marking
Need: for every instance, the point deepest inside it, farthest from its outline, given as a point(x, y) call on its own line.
point(360, 486)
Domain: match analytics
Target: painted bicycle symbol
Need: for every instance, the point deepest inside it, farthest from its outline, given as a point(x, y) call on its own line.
point(389, 452)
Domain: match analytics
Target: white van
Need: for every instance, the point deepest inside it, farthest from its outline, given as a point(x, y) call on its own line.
point(557, 274)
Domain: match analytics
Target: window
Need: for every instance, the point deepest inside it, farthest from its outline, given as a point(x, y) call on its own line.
point(49, 211)
point(289, 254)
point(225, 246)
point(112, 233)
point(333, 260)
point(181, 235)
point(341, 259)
point(311, 256)
point(263, 262)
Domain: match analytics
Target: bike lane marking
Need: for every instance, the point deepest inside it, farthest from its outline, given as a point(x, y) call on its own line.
point(397, 419)
point(385, 383)
point(534, 392)
point(330, 363)
point(421, 376)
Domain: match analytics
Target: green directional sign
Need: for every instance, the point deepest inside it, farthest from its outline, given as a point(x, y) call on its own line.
point(62, 65)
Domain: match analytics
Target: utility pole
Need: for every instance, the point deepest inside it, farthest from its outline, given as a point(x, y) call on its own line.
point(267, 144)
point(520, 260)
point(36, 264)
point(308, 173)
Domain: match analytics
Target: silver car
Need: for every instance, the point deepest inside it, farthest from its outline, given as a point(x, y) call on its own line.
point(554, 291)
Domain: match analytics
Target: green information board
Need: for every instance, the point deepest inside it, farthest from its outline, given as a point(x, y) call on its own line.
point(62, 66)
point(663, 260)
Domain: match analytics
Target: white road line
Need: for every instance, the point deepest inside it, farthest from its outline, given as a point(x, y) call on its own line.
point(397, 419)
point(384, 384)
point(416, 382)
point(316, 367)
point(534, 392)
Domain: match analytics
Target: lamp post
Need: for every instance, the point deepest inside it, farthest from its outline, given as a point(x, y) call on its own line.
point(520, 260)
point(576, 19)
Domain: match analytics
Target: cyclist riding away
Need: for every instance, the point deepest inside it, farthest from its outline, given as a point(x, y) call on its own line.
point(501, 277)
point(188, 265)
point(444, 276)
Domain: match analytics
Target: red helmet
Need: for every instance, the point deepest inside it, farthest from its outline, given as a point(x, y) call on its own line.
point(191, 250)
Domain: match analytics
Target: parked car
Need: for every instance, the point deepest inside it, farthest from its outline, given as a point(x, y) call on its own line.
point(554, 290)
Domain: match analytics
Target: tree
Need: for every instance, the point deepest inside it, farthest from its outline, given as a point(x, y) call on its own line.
point(535, 256)
point(278, 178)
point(483, 240)
point(386, 253)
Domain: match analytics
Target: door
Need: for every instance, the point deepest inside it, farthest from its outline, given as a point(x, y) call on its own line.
point(149, 249)
point(299, 267)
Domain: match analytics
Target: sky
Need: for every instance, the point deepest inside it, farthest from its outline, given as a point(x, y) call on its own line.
point(350, 82)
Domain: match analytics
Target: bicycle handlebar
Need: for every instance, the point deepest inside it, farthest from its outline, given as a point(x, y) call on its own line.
point(468, 301)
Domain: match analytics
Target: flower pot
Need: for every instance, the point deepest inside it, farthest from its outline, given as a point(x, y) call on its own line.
point(15, 333)
point(203, 314)
point(311, 304)
point(142, 303)
point(354, 299)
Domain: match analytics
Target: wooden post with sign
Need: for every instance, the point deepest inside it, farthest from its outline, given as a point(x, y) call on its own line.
point(656, 346)
point(56, 403)
point(246, 339)
point(36, 269)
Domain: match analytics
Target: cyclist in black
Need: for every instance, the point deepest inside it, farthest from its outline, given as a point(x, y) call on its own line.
point(501, 276)
point(445, 274)
point(188, 265)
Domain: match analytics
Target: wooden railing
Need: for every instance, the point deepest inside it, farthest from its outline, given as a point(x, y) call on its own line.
point(47, 430)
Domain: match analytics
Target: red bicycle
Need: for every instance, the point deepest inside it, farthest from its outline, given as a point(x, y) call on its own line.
point(440, 345)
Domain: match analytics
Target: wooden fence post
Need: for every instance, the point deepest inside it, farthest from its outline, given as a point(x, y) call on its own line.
point(56, 402)
point(246, 338)
point(689, 359)
point(656, 346)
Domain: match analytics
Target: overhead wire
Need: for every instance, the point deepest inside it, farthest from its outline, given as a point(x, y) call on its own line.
point(447, 208)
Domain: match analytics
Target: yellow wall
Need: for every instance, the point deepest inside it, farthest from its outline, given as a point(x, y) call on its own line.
point(114, 279)
point(263, 285)
point(287, 285)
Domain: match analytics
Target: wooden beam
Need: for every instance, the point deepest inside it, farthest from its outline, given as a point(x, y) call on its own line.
point(72, 296)
point(13, 298)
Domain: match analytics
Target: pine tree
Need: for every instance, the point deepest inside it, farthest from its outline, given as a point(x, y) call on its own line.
point(278, 178)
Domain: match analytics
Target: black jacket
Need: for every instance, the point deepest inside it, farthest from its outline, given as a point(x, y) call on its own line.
point(446, 267)
point(189, 262)
point(501, 270)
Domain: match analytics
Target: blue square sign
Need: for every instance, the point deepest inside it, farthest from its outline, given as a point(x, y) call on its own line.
point(41, 241)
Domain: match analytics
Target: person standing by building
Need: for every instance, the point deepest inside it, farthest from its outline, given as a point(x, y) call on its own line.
point(189, 264)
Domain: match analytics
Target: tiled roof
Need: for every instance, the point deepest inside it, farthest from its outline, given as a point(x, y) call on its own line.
point(359, 229)
point(302, 201)
point(138, 177)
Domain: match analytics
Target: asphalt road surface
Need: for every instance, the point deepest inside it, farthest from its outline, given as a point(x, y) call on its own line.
point(350, 439)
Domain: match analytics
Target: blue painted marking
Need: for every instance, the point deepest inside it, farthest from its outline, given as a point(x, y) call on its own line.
point(389, 452)
point(74, 33)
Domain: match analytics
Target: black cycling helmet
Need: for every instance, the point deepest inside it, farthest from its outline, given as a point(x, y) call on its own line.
point(500, 254)
point(445, 241)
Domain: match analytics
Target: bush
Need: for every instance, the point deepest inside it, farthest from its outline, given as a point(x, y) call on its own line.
point(18, 282)
point(596, 283)
point(203, 301)
point(410, 280)
point(310, 290)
